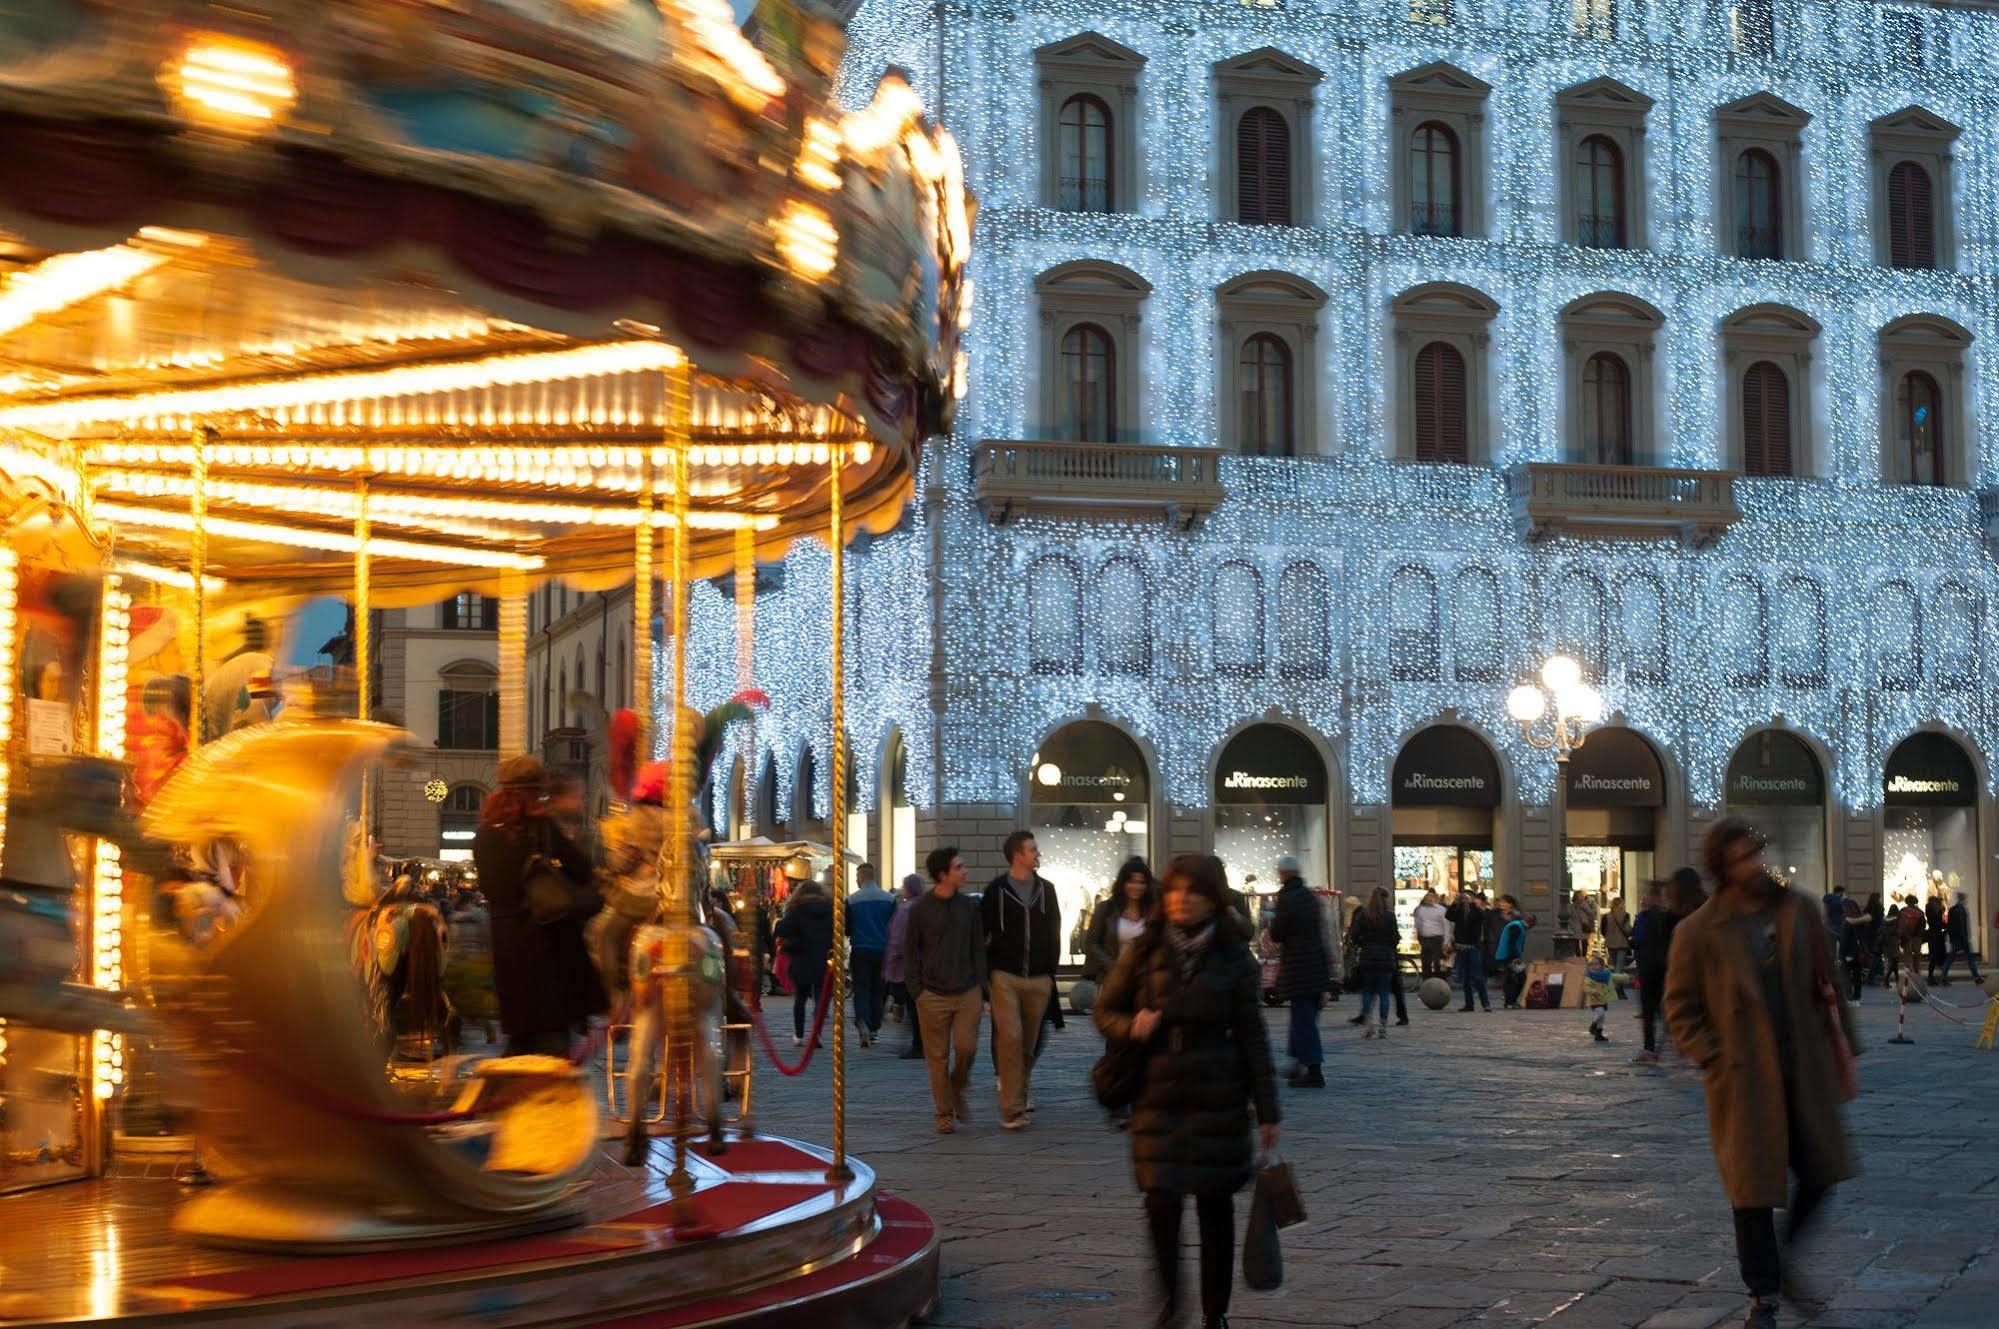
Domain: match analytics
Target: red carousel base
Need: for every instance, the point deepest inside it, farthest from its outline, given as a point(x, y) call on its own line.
point(771, 1244)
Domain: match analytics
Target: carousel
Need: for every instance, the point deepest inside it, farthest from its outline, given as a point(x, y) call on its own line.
point(396, 301)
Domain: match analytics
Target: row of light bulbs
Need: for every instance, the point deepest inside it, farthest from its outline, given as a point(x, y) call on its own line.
point(107, 932)
point(584, 466)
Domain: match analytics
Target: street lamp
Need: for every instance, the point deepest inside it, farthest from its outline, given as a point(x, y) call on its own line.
point(1572, 709)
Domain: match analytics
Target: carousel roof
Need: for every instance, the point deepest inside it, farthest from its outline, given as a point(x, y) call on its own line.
point(469, 253)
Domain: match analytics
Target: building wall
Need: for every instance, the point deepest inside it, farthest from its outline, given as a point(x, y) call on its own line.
point(414, 652)
point(1796, 618)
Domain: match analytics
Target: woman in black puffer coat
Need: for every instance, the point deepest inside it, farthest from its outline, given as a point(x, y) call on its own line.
point(1187, 991)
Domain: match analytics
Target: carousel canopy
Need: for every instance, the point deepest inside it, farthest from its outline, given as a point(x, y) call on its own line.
point(484, 267)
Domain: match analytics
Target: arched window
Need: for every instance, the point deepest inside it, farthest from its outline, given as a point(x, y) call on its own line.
point(1801, 634)
point(1606, 411)
point(1919, 425)
point(1054, 618)
point(1085, 184)
point(1475, 627)
point(1433, 181)
point(1744, 631)
point(1955, 623)
point(1238, 626)
point(1642, 607)
point(1123, 618)
point(1263, 168)
point(1089, 385)
point(1264, 380)
point(805, 787)
point(1898, 630)
point(1759, 227)
point(1599, 194)
point(1766, 420)
point(1303, 609)
point(1412, 627)
point(1579, 622)
point(1912, 230)
point(1439, 408)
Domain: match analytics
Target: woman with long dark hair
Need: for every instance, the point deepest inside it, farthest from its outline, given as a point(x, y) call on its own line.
point(547, 987)
point(1186, 991)
point(1377, 941)
point(1119, 919)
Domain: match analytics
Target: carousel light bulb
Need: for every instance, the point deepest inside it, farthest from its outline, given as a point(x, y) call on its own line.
point(229, 83)
point(1526, 703)
point(1561, 673)
point(807, 240)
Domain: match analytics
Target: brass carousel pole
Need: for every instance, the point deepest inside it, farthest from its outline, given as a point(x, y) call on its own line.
point(680, 904)
point(197, 567)
point(749, 908)
point(362, 652)
point(642, 549)
point(513, 662)
point(837, 534)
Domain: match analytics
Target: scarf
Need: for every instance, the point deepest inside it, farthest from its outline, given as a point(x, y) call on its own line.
point(1189, 946)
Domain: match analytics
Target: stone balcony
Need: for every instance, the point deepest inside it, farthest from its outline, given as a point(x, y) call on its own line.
point(1180, 486)
point(1621, 502)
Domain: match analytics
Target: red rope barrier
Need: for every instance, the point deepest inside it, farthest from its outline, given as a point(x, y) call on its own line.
point(818, 1023)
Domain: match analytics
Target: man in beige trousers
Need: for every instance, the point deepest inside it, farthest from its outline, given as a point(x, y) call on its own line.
point(944, 966)
point(1023, 943)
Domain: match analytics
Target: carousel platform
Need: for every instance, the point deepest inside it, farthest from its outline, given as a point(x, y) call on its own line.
point(775, 1245)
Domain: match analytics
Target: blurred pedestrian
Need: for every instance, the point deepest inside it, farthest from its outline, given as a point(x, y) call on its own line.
point(1957, 925)
point(1188, 993)
point(546, 984)
point(1749, 998)
point(1023, 923)
point(1430, 929)
point(1617, 935)
point(895, 970)
point(1116, 924)
point(1511, 953)
point(805, 935)
point(1936, 931)
point(1468, 919)
point(869, 910)
point(1599, 988)
point(1871, 937)
point(1651, 940)
point(1377, 941)
point(945, 966)
point(1303, 970)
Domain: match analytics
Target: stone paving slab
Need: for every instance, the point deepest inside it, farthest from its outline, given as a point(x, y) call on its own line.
point(1474, 1170)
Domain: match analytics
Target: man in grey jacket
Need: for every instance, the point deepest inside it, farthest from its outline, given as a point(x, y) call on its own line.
point(944, 965)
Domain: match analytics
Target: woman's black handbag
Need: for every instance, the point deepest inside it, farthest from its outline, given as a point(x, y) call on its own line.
point(1119, 1074)
point(1273, 1203)
point(550, 896)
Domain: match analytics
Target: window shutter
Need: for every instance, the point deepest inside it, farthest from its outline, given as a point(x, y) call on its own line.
point(445, 732)
point(1922, 220)
point(1441, 432)
point(1766, 420)
point(1276, 170)
point(1249, 168)
point(491, 737)
point(1425, 404)
point(1263, 168)
point(1898, 216)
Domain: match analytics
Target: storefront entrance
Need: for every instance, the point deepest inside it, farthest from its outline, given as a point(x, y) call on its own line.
point(1270, 800)
point(1445, 791)
point(1929, 823)
point(1616, 796)
point(1776, 785)
point(1089, 799)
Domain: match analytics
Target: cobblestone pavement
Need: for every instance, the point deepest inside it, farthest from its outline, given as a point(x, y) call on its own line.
point(1474, 1169)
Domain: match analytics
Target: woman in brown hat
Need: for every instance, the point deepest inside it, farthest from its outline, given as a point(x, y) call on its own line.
point(547, 987)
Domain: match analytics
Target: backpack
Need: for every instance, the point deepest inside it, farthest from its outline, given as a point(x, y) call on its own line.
point(1537, 996)
point(1911, 924)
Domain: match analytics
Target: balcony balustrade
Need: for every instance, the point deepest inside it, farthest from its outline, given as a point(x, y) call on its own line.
point(1622, 502)
point(1180, 485)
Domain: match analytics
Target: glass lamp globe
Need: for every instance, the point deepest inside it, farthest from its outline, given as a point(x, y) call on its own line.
point(1585, 704)
point(1526, 703)
point(1561, 673)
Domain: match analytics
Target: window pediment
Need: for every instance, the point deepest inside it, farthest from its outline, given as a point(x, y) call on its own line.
point(1926, 331)
point(1613, 310)
point(1605, 99)
point(1446, 299)
point(1771, 320)
point(1268, 67)
point(1762, 113)
point(1439, 82)
point(1915, 128)
point(1090, 50)
point(1088, 276)
point(1279, 292)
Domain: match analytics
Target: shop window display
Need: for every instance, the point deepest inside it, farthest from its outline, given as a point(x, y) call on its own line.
point(1929, 821)
point(1269, 801)
point(1089, 800)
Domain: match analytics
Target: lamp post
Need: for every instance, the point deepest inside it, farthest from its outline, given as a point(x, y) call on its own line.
point(1572, 708)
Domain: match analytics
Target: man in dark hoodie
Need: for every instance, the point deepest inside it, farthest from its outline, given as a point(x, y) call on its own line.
point(1023, 943)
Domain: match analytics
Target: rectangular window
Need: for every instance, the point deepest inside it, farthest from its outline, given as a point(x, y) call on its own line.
point(470, 612)
point(1904, 39)
point(468, 720)
point(1752, 28)
point(1595, 20)
point(1436, 13)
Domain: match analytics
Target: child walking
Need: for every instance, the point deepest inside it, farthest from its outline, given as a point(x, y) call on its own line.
point(1599, 988)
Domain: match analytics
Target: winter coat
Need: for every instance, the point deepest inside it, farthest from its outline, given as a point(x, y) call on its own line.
point(1582, 913)
point(1467, 923)
point(1019, 940)
point(1377, 939)
point(1299, 929)
point(1100, 942)
point(1715, 1009)
point(1651, 943)
point(805, 934)
point(542, 972)
point(1958, 921)
point(1617, 931)
point(1207, 1062)
point(898, 930)
point(1939, 927)
point(869, 911)
point(1512, 939)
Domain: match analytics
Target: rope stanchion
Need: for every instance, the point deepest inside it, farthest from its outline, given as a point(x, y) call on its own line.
point(1902, 1011)
point(811, 1044)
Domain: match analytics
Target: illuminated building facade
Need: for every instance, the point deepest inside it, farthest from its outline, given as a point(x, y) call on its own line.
point(1334, 364)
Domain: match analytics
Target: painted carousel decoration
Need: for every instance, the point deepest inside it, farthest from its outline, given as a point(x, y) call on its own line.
point(393, 299)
